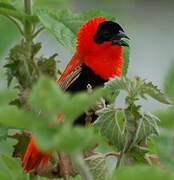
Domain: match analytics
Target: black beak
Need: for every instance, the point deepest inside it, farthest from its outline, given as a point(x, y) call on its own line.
point(118, 41)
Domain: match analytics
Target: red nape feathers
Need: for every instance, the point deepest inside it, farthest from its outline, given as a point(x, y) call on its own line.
point(34, 157)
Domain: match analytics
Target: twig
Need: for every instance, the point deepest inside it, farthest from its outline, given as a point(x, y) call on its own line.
point(63, 165)
point(36, 68)
point(112, 154)
point(37, 32)
point(152, 157)
point(119, 109)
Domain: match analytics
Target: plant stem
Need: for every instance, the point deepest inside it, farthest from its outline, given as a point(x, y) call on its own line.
point(81, 166)
point(119, 160)
point(28, 34)
point(28, 25)
point(112, 154)
point(28, 28)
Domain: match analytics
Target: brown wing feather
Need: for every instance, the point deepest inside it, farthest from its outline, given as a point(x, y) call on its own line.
point(72, 65)
point(70, 78)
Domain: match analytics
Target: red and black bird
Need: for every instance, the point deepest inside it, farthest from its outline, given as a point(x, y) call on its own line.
point(98, 58)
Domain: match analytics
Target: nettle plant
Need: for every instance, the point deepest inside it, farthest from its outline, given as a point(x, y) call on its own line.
point(122, 133)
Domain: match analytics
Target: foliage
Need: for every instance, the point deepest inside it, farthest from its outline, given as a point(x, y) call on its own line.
point(164, 146)
point(166, 115)
point(168, 85)
point(142, 172)
point(10, 167)
point(32, 100)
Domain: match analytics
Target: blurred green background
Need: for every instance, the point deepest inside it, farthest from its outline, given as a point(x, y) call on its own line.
point(149, 23)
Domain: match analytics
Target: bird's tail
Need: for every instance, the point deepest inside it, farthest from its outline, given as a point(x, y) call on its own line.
point(34, 158)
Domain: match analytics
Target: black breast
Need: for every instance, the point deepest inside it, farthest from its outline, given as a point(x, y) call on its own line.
point(87, 76)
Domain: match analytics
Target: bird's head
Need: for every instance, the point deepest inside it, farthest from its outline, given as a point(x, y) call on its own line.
point(98, 34)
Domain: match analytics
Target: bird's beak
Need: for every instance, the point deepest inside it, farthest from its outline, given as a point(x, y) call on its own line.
point(118, 41)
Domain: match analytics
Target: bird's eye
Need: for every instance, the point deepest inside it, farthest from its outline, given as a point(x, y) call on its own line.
point(106, 34)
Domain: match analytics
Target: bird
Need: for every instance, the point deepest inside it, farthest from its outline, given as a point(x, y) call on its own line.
point(98, 57)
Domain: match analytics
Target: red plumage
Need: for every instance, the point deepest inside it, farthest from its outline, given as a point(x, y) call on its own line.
point(34, 157)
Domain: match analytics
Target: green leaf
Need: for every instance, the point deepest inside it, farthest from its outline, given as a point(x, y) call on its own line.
point(165, 145)
point(98, 167)
point(7, 95)
point(15, 10)
point(139, 126)
point(7, 6)
point(9, 34)
point(147, 126)
point(143, 173)
point(126, 55)
point(13, 117)
point(49, 3)
point(18, 67)
point(13, 164)
point(6, 11)
point(5, 175)
point(3, 132)
point(71, 138)
point(48, 66)
point(46, 138)
point(109, 126)
point(56, 24)
point(49, 139)
point(96, 13)
point(4, 171)
point(64, 24)
point(155, 93)
point(83, 101)
point(48, 97)
point(169, 83)
point(7, 146)
point(137, 155)
point(136, 88)
point(151, 146)
point(76, 178)
point(166, 117)
point(15, 168)
point(117, 84)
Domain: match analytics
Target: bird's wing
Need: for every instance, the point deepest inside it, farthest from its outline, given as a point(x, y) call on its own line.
point(70, 78)
point(75, 62)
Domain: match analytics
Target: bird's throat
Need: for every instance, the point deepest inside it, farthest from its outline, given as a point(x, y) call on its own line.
point(107, 63)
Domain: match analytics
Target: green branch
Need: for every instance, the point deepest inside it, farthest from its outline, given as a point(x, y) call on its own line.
point(37, 32)
point(28, 25)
